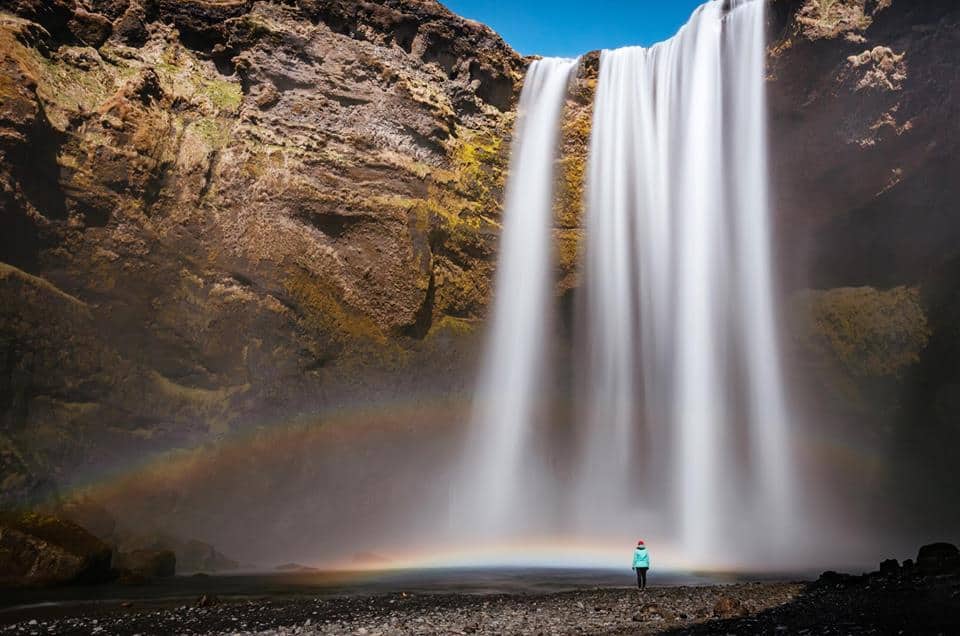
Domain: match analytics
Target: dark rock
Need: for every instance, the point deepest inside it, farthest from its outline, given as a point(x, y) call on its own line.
point(39, 549)
point(91, 29)
point(728, 607)
point(938, 558)
point(207, 600)
point(889, 567)
point(131, 27)
point(148, 563)
point(113, 9)
point(836, 579)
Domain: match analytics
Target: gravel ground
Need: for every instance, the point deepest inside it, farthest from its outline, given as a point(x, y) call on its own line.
point(601, 611)
point(849, 605)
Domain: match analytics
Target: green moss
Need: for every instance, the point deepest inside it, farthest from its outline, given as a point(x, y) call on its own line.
point(215, 132)
point(871, 333)
point(223, 94)
point(452, 326)
point(480, 168)
point(572, 168)
point(426, 94)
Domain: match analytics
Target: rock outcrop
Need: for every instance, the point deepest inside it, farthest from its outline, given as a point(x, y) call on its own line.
point(37, 549)
point(211, 210)
point(864, 98)
point(939, 559)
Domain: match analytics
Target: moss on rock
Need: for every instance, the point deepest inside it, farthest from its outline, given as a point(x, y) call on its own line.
point(869, 332)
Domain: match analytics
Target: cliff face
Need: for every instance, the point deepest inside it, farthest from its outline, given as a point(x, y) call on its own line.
point(865, 98)
point(217, 213)
point(213, 209)
point(863, 95)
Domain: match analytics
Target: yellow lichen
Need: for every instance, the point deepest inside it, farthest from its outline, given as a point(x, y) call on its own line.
point(324, 314)
point(870, 332)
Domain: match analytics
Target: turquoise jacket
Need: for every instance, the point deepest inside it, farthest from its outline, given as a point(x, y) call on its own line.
point(641, 558)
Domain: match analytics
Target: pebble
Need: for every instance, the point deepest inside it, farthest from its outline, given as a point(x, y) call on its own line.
point(774, 608)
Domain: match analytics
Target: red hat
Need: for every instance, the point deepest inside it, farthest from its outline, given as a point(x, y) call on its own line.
point(640, 542)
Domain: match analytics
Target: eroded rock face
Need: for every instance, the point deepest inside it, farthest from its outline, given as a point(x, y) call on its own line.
point(212, 210)
point(864, 98)
point(862, 95)
point(38, 549)
point(217, 214)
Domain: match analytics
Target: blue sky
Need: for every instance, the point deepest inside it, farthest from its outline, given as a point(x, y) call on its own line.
point(568, 28)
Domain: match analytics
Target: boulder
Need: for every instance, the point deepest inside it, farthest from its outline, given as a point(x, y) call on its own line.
point(37, 549)
point(837, 580)
point(889, 567)
point(147, 563)
point(207, 600)
point(728, 607)
point(939, 558)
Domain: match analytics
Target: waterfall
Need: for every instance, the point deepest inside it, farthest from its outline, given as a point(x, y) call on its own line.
point(682, 422)
point(684, 388)
point(510, 384)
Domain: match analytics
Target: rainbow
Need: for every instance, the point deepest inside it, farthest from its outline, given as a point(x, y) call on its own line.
point(351, 428)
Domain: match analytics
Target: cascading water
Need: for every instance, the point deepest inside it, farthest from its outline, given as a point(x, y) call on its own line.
point(683, 426)
point(510, 382)
point(679, 292)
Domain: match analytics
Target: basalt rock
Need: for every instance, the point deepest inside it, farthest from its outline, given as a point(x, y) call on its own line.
point(37, 549)
point(939, 558)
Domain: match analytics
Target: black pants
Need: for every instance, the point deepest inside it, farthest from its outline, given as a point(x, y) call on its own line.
point(642, 578)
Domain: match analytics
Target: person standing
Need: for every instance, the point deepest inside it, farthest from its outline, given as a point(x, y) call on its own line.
point(641, 563)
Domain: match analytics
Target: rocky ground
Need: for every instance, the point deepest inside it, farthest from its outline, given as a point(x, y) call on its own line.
point(852, 605)
point(921, 597)
point(602, 611)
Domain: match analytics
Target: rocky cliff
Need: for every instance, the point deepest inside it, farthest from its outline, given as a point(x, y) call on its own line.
point(865, 99)
point(210, 207)
point(216, 212)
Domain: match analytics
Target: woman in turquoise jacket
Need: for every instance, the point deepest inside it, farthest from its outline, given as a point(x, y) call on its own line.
point(641, 563)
